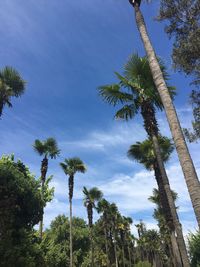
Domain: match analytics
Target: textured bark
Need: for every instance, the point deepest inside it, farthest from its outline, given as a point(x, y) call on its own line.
point(44, 169)
point(186, 162)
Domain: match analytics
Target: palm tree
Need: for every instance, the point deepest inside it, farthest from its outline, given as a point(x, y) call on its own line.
point(186, 162)
point(136, 91)
point(103, 207)
point(11, 85)
point(113, 215)
point(70, 167)
point(48, 149)
point(144, 153)
point(91, 197)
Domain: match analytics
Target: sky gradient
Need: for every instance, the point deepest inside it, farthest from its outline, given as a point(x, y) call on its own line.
point(64, 50)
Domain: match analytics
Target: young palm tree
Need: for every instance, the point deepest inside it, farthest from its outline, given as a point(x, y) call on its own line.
point(48, 149)
point(136, 92)
point(144, 153)
point(186, 162)
point(70, 167)
point(11, 85)
point(91, 197)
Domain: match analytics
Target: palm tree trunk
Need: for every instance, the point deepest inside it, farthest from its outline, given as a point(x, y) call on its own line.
point(71, 189)
point(41, 221)
point(70, 233)
point(115, 249)
point(177, 225)
point(123, 255)
point(175, 250)
point(168, 215)
point(179, 140)
point(90, 223)
point(106, 244)
point(115, 245)
point(44, 168)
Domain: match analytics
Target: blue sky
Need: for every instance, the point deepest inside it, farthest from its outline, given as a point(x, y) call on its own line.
point(64, 50)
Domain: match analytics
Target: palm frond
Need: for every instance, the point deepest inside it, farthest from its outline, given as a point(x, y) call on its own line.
point(113, 94)
point(39, 147)
point(52, 147)
point(126, 112)
point(12, 78)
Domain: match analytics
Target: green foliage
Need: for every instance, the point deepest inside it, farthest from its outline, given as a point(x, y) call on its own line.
point(48, 193)
point(195, 135)
point(11, 85)
point(20, 195)
point(194, 249)
point(20, 210)
point(55, 243)
point(183, 17)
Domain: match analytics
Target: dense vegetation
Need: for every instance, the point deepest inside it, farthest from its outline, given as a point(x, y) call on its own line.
point(142, 89)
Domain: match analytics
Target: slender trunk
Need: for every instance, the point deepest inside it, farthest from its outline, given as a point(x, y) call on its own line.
point(123, 255)
point(71, 189)
point(115, 249)
point(41, 221)
point(106, 244)
point(70, 233)
point(129, 253)
point(44, 168)
point(177, 225)
point(90, 223)
point(115, 245)
point(92, 246)
point(186, 162)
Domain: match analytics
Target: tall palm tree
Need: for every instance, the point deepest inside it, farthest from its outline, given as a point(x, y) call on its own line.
point(144, 153)
point(91, 197)
point(103, 207)
point(186, 162)
point(11, 85)
point(70, 167)
point(136, 92)
point(48, 149)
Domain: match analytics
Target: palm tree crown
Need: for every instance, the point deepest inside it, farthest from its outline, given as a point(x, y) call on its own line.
point(11, 85)
point(72, 165)
point(48, 148)
point(135, 87)
point(91, 196)
point(143, 152)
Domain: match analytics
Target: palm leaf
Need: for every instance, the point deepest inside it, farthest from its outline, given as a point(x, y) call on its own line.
point(113, 94)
